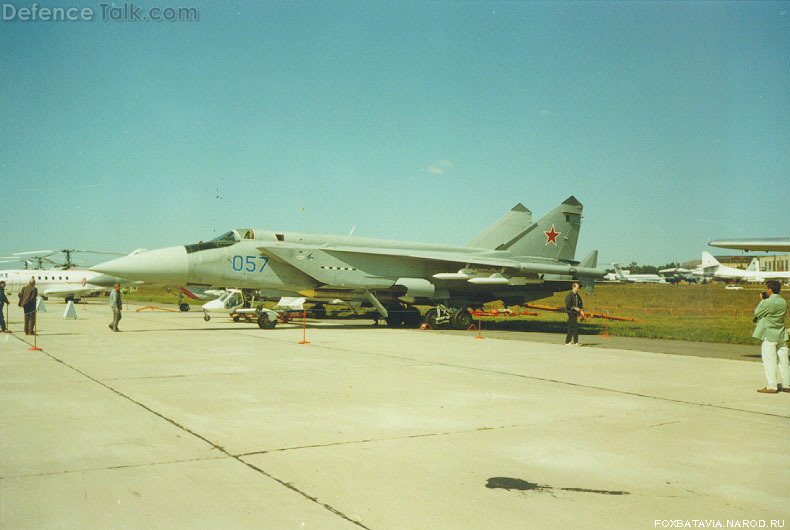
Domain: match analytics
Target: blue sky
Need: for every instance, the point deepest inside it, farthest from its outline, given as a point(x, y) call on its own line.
point(406, 120)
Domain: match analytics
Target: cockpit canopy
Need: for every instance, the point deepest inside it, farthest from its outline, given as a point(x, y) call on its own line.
point(225, 240)
point(235, 236)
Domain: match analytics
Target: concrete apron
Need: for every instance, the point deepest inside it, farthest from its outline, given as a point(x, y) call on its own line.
point(177, 422)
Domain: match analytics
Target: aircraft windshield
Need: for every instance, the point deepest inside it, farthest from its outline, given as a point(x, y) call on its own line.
point(233, 300)
point(226, 239)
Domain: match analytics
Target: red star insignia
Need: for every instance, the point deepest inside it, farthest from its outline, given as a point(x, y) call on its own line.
point(551, 236)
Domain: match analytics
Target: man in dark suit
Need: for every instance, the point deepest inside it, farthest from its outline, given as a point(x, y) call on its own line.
point(575, 308)
point(27, 301)
point(3, 302)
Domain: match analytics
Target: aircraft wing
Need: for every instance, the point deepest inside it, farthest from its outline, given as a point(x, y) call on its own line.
point(767, 244)
point(71, 291)
point(319, 262)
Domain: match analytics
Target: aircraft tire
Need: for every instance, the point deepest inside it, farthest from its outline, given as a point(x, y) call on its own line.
point(265, 323)
point(462, 319)
point(412, 317)
point(430, 318)
point(183, 307)
point(395, 318)
point(206, 317)
point(237, 318)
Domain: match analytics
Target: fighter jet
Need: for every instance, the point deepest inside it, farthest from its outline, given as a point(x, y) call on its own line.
point(513, 260)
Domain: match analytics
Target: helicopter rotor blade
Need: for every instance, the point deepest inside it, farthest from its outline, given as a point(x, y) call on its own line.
point(48, 252)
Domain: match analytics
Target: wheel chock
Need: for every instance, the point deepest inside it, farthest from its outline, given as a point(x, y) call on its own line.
point(425, 325)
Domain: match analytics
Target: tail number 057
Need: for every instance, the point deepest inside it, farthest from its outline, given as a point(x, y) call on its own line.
point(249, 263)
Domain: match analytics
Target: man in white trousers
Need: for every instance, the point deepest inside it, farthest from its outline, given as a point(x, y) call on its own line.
point(770, 316)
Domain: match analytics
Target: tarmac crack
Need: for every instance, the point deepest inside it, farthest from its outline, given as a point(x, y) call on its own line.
point(111, 468)
point(662, 424)
point(557, 381)
point(377, 440)
point(209, 442)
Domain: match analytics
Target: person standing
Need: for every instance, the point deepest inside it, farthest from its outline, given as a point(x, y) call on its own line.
point(115, 304)
point(770, 316)
point(3, 302)
point(27, 301)
point(575, 308)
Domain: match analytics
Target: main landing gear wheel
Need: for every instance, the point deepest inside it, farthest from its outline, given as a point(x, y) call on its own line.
point(461, 319)
point(430, 318)
point(265, 323)
point(183, 307)
point(395, 316)
point(412, 317)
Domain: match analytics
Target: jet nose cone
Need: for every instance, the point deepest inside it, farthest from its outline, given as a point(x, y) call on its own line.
point(163, 266)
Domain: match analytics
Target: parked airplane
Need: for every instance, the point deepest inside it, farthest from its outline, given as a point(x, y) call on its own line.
point(711, 268)
point(768, 244)
point(62, 279)
point(678, 274)
point(71, 284)
point(233, 303)
point(626, 276)
point(514, 260)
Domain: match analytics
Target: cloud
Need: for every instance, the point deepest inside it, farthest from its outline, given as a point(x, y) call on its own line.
point(437, 168)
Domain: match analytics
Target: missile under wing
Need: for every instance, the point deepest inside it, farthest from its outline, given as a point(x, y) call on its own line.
point(515, 260)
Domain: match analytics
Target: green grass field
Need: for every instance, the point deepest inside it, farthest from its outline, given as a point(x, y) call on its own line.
point(705, 313)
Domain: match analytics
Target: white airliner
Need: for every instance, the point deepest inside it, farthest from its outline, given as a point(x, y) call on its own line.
point(711, 268)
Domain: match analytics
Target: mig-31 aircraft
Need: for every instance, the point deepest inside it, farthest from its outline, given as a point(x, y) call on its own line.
point(513, 260)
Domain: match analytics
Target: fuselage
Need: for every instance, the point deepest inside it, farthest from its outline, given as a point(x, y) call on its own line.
point(329, 266)
point(56, 282)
